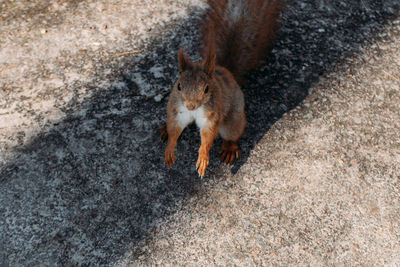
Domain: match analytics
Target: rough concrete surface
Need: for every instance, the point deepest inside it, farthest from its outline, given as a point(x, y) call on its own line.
point(82, 177)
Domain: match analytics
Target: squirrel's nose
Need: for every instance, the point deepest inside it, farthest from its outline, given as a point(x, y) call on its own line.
point(190, 106)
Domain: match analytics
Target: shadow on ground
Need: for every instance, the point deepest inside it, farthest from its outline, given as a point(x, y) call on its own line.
point(95, 186)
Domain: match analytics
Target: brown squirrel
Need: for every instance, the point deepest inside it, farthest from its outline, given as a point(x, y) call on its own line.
point(236, 36)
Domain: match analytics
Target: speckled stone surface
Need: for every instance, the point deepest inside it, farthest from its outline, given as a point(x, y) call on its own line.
point(83, 89)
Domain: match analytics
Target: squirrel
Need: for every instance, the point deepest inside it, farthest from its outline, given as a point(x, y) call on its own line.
point(236, 36)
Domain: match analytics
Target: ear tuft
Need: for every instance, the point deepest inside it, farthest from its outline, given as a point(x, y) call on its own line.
point(209, 61)
point(184, 63)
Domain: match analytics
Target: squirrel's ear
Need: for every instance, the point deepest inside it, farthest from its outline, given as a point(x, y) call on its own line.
point(209, 62)
point(184, 62)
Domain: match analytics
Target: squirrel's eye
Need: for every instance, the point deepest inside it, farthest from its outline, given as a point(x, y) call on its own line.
point(206, 90)
point(179, 86)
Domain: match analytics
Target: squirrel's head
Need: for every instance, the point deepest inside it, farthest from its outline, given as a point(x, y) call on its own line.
point(196, 80)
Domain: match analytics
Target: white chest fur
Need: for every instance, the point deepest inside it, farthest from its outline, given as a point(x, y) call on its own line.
point(185, 117)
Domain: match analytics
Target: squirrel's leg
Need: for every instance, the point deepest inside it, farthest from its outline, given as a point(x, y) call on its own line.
point(208, 136)
point(230, 132)
point(173, 132)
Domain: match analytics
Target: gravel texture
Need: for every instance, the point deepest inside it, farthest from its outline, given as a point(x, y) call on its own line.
point(83, 88)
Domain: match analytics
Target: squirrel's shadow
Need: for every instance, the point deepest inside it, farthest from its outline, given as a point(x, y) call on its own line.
point(100, 178)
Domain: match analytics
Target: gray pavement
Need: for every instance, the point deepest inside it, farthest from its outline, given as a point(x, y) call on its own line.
point(83, 88)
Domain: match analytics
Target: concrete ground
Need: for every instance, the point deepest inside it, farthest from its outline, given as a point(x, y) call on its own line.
point(83, 88)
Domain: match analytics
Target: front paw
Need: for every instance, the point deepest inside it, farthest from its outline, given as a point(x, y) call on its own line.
point(202, 164)
point(169, 157)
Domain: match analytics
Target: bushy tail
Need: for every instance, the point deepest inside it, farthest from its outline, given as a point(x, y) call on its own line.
point(243, 31)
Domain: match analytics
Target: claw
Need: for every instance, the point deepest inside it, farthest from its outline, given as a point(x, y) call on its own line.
point(201, 166)
point(230, 152)
point(232, 158)
point(169, 158)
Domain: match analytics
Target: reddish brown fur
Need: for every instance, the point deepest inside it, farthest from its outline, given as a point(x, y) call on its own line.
point(231, 50)
point(241, 45)
point(223, 107)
